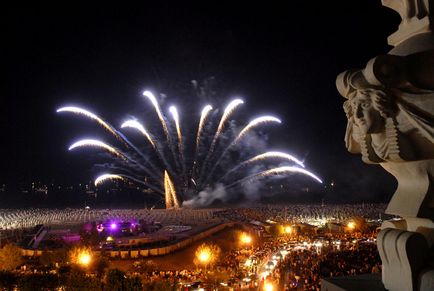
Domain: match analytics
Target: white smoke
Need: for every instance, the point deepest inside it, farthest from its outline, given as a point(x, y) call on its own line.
point(207, 197)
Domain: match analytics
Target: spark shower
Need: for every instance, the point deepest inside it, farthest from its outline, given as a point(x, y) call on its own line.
point(163, 164)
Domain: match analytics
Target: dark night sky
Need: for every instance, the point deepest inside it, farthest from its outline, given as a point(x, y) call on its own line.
point(283, 59)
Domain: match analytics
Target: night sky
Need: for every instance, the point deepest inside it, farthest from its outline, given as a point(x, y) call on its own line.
point(282, 59)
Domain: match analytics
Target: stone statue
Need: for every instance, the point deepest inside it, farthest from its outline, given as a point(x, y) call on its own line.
point(391, 123)
point(390, 110)
point(387, 124)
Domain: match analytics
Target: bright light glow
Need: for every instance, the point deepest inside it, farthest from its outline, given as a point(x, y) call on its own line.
point(207, 254)
point(351, 225)
point(151, 97)
point(137, 125)
point(104, 177)
point(288, 229)
point(174, 112)
point(204, 256)
point(264, 274)
point(268, 286)
point(245, 238)
point(81, 256)
point(84, 259)
point(96, 143)
point(113, 226)
point(109, 238)
point(248, 263)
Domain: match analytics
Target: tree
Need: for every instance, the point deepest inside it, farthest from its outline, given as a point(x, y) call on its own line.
point(34, 282)
point(78, 280)
point(100, 266)
point(10, 257)
point(134, 284)
point(50, 257)
point(207, 255)
point(116, 280)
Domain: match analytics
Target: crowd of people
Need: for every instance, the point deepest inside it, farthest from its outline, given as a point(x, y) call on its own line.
point(301, 268)
point(304, 213)
point(27, 218)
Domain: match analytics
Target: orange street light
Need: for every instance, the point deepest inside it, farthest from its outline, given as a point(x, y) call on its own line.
point(84, 259)
point(245, 238)
point(268, 286)
point(288, 229)
point(204, 256)
point(81, 256)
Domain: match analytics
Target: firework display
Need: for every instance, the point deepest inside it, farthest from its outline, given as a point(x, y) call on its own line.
point(218, 157)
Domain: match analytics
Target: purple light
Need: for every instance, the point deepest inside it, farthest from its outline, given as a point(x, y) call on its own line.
point(113, 226)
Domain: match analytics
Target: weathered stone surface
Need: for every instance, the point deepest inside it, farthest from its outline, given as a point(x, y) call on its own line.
point(390, 111)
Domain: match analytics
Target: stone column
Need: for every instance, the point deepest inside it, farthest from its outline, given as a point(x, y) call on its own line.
point(390, 111)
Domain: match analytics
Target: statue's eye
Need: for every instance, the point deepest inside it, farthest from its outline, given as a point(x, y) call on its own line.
point(365, 105)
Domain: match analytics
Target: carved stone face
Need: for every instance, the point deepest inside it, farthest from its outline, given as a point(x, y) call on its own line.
point(366, 117)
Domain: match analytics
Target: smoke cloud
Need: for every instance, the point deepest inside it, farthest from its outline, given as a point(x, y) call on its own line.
point(207, 197)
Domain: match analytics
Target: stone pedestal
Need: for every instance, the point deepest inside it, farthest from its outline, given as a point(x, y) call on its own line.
point(390, 111)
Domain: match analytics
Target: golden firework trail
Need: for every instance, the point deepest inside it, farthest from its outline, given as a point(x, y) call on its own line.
point(92, 116)
point(255, 122)
point(154, 102)
point(97, 143)
point(226, 114)
point(277, 171)
point(281, 155)
point(104, 177)
point(137, 125)
point(170, 193)
point(161, 177)
point(252, 124)
point(284, 170)
point(174, 112)
point(228, 111)
point(205, 111)
point(89, 114)
point(267, 155)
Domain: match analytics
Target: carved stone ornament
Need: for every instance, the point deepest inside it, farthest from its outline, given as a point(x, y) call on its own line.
point(391, 120)
point(390, 110)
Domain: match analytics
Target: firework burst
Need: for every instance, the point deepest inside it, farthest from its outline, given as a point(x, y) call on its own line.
point(184, 175)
